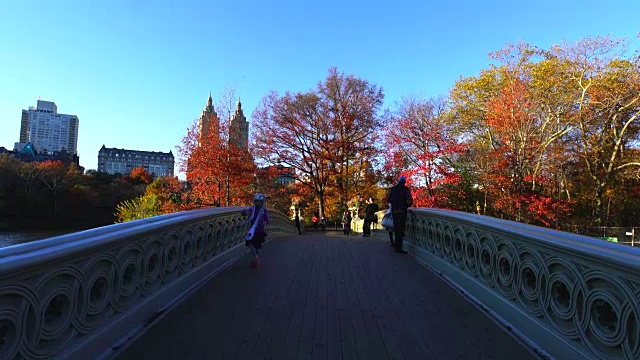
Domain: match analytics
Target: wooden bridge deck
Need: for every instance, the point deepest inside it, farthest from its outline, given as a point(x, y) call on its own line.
point(326, 296)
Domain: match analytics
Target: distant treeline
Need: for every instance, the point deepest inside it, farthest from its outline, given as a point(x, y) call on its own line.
point(50, 195)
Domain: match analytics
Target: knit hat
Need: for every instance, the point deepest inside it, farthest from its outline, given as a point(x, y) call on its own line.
point(259, 197)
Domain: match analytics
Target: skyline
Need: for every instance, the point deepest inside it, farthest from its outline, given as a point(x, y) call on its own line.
point(137, 75)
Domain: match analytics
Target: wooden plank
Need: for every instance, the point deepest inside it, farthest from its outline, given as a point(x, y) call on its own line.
point(447, 322)
point(374, 334)
point(280, 334)
point(320, 346)
point(428, 319)
point(402, 296)
point(305, 344)
point(382, 311)
point(267, 298)
point(299, 321)
point(278, 313)
point(347, 337)
point(412, 345)
point(334, 346)
point(355, 307)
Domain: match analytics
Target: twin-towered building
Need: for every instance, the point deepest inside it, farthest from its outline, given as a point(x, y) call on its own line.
point(113, 160)
point(238, 125)
point(48, 132)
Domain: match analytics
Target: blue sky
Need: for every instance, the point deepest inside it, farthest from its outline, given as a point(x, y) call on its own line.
point(137, 73)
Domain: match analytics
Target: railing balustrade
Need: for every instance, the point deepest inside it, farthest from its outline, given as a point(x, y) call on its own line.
point(75, 296)
point(72, 295)
point(574, 296)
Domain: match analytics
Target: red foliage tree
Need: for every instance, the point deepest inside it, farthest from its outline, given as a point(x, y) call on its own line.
point(421, 147)
point(514, 181)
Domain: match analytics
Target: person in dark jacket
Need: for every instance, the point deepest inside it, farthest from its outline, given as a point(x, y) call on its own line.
point(400, 199)
point(369, 213)
point(298, 223)
point(346, 222)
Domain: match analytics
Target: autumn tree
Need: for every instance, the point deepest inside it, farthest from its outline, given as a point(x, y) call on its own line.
point(309, 131)
point(53, 175)
point(168, 191)
point(519, 146)
point(511, 116)
point(140, 175)
point(279, 194)
point(605, 86)
point(352, 106)
point(421, 146)
point(219, 173)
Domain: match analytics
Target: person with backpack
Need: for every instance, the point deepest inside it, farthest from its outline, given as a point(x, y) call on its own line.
point(400, 199)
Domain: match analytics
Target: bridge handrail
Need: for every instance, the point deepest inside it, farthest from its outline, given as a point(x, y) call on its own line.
point(64, 293)
point(572, 295)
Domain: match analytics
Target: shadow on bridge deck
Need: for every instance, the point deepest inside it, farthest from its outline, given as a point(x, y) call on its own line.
point(326, 296)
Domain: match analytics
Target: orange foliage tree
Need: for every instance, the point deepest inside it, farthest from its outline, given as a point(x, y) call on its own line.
point(140, 175)
point(320, 132)
point(218, 172)
point(515, 181)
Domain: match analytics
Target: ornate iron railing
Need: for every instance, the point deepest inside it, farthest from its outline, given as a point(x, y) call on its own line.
point(573, 296)
point(72, 295)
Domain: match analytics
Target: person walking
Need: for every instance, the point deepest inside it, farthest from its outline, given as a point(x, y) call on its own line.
point(259, 217)
point(387, 224)
point(298, 223)
point(400, 199)
point(346, 222)
point(369, 213)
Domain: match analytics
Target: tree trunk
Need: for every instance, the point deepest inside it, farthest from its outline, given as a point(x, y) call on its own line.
point(346, 182)
point(55, 203)
point(320, 194)
point(599, 204)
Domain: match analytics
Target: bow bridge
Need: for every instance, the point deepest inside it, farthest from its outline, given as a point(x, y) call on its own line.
point(178, 286)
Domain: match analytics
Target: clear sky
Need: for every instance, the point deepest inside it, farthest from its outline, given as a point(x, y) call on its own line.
point(137, 73)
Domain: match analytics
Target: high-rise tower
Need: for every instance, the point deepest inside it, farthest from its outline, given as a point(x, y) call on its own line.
point(47, 130)
point(239, 128)
point(207, 119)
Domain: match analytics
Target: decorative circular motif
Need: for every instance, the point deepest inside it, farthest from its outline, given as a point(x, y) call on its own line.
point(44, 310)
point(597, 309)
point(486, 254)
point(609, 322)
point(507, 265)
point(471, 244)
point(447, 241)
point(458, 247)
